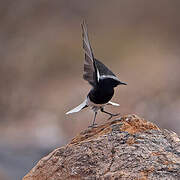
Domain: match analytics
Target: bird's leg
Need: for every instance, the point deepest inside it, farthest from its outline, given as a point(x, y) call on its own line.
point(111, 115)
point(85, 107)
point(93, 124)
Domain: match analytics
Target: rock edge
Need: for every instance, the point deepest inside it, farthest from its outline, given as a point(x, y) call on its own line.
point(126, 148)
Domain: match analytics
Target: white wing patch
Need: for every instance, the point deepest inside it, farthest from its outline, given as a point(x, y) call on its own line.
point(112, 103)
point(78, 108)
point(109, 76)
point(98, 75)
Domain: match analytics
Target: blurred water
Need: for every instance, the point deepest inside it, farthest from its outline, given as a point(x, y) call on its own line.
point(16, 162)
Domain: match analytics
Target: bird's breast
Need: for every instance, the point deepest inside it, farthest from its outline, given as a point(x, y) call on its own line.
point(101, 96)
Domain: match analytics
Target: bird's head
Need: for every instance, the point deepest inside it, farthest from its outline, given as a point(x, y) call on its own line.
point(116, 83)
point(121, 83)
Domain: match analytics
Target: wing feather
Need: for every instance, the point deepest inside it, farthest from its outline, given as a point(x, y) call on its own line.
point(90, 70)
point(93, 68)
point(103, 70)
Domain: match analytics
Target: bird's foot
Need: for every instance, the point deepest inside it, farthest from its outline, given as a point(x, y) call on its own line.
point(93, 126)
point(112, 115)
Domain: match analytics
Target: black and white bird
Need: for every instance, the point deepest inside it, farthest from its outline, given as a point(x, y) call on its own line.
point(102, 80)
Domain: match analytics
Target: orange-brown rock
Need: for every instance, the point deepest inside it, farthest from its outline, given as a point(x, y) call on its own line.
point(127, 148)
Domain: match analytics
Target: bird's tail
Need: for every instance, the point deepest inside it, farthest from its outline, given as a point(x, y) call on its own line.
point(78, 108)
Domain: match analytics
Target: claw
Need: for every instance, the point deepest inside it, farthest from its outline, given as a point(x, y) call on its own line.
point(112, 115)
point(93, 126)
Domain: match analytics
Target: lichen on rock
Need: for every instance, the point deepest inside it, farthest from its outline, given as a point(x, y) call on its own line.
point(126, 148)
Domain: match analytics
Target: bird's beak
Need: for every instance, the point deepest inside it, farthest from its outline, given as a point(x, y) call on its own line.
point(122, 83)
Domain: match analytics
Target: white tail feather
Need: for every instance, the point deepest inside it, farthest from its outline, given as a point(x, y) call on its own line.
point(78, 108)
point(112, 103)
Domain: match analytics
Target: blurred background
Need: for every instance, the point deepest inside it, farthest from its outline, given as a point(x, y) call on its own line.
point(41, 64)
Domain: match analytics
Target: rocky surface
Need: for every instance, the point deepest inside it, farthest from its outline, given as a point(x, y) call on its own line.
point(126, 148)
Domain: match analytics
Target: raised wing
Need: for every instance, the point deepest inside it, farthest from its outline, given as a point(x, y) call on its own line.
point(90, 72)
point(103, 70)
point(94, 70)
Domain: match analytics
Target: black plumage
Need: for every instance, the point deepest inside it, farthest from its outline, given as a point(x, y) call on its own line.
point(102, 80)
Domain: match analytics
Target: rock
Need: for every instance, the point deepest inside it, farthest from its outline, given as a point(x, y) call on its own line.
point(127, 148)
